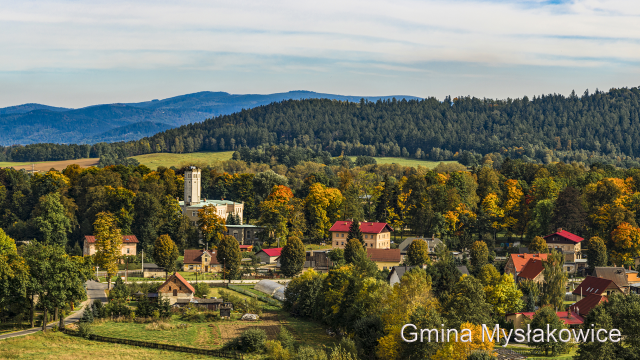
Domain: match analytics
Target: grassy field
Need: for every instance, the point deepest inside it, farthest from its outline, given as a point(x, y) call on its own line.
point(167, 160)
point(57, 346)
point(407, 161)
point(47, 165)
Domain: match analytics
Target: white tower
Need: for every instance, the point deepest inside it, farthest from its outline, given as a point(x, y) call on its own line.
point(192, 186)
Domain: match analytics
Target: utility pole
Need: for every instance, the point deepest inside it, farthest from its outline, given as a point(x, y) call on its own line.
point(126, 269)
point(224, 268)
point(97, 276)
point(142, 262)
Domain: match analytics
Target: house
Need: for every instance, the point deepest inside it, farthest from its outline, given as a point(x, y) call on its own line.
point(269, 256)
point(209, 304)
point(201, 261)
point(376, 235)
point(129, 243)
point(431, 244)
point(153, 271)
point(587, 303)
point(385, 258)
point(397, 272)
point(570, 318)
point(632, 276)
point(566, 242)
point(463, 270)
point(192, 201)
point(246, 248)
point(176, 288)
point(616, 274)
point(532, 270)
point(597, 286)
point(245, 234)
point(318, 260)
point(516, 262)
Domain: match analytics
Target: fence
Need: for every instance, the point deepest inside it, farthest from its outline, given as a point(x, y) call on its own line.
point(218, 353)
point(268, 300)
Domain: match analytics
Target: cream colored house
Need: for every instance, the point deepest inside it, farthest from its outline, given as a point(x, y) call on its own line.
point(375, 235)
point(129, 243)
point(192, 202)
point(201, 261)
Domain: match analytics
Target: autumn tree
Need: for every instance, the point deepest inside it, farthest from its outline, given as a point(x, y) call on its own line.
point(165, 254)
point(596, 252)
point(538, 245)
point(466, 303)
point(471, 340)
point(292, 257)
point(14, 276)
point(323, 208)
point(211, 225)
point(626, 244)
point(228, 255)
point(418, 253)
point(555, 280)
point(503, 295)
point(479, 255)
point(276, 212)
point(108, 244)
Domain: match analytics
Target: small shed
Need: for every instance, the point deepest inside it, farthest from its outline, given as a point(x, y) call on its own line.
point(153, 271)
point(271, 288)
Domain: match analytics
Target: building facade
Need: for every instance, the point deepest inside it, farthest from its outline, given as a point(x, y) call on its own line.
point(129, 243)
point(202, 261)
point(375, 235)
point(176, 288)
point(245, 234)
point(568, 243)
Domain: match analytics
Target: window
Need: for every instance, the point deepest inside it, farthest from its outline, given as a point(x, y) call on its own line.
point(190, 267)
point(336, 243)
point(128, 250)
point(343, 243)
point(366, 236)
point(193, 213)
point(342, 235)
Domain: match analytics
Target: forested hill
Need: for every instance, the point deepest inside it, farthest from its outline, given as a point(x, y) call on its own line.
point(603, 126)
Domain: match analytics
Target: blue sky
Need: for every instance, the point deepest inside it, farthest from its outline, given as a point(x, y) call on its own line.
point(78, 53)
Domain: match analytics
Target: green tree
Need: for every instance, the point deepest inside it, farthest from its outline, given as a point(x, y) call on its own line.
point(51, 220)
point(602, 319)
point(228, 254)
point(466, 303)
point(546, 318)
point(538, 245)
point(108, 244)
point(14, 276)
point(596, 253)
point(418, 253)
point(165, 254)
point(555, 281)
point(531, 291)
point(302, 292)
point(202, 289)
point(292, 257)
point(353, 247)
point(568, 212)
point(479, 255)
point(337, 257)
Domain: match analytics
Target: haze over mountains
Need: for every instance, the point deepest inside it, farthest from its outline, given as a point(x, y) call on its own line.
point(36, 123)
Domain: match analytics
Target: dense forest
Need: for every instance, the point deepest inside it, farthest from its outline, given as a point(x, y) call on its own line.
point(600, 127)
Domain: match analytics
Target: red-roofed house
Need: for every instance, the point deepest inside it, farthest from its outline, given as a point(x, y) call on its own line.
point(376, 235)
point(269, 256)
point(176, 287)
point(596, 286)
point(246, 248)
point(570, 318)
point(532, 270)
point(587, 303)
point(201, 261)
point(566, 242)
point(128, 245)
point(516, 262)
point(385, 258)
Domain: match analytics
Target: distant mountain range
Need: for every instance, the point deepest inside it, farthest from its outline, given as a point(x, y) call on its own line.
point(36, 123)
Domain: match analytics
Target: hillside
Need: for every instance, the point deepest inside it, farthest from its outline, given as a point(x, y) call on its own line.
point(35, 123)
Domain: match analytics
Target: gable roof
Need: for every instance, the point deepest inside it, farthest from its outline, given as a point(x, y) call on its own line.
point(520, 260)
point(575, 318)
point(567, 235)
point(384, 255)
point(125, 239)
point(594, 285)
point(431, 242)
point(616, 274)
point(271, 252)
point(195, 256)
point(400, 270)
point(365, 227)
point(588, 303)
point(463, 270)
point(181, 280)
point(531, 269)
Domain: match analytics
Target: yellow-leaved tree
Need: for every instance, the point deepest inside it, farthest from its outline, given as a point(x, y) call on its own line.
point(469, 340)
point(108, 244)
point(211, 225)
point(626, 244)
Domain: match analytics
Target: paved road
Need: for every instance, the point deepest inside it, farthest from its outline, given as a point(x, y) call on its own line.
point(95, 290)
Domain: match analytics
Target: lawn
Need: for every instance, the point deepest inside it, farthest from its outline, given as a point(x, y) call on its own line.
point(57, 346)
point(201, 159)
point(46, 165)
point(407, 161)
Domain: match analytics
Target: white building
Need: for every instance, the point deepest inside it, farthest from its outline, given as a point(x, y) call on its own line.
point(192, 201)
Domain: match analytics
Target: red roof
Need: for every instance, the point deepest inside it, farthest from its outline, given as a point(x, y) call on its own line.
point(180, 279)
point(575, 319)
point(531, 269)
point(384, 255)
point(272, 252)
point(125, 239)
point(520, 260)
point(588, 303)
point(594, 285)
point(365, 227)
point(567, 235)
point(195, 257)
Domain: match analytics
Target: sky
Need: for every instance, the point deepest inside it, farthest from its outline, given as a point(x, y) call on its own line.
point(74, 53)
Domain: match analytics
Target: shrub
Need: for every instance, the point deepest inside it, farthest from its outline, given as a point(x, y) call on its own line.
point(275, 351)
point(87, 315)
point(159, 326)
point(84, 330)
point(253, 340)
point(117, 309)
point(285, 338)
point(309, 353)
point(202, 289)
point(349, 346)
point(340, 353)
point(98, 309)
point(480, 355)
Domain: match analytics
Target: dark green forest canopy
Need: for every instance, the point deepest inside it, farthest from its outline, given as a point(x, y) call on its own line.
point(546, 128)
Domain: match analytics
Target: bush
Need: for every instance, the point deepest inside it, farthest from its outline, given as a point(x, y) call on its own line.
point(480, 355)
point(275, 351)
point(159, 326)
point(98, 309)
point(340, 353)
point(309, 353)
point(367, 331)
point(349, 346)
point(202, 289)
point(285, 338)
point(117, 309)
point(84, 330)
point(253, 340)
point(87, 315)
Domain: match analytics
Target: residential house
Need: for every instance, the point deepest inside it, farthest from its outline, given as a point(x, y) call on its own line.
point(318, 260)
point(570, 318)
point(516, 262)
point(269, 256)
point(176, 288)
point(246, 248)
point(129, 243)
point(376, 235)
point(632, 276)
point(587, 303)
point(192, 202)
point(432, 242)
point(616, 274)
point(532, 270)
point(153, 271)
point(245, 234)
point(397, 272)
point(385, 258)
point(566, 242)
point(203, 261)
point(597, 286)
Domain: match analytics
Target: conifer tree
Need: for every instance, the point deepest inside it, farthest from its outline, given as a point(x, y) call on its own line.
point(354, 231)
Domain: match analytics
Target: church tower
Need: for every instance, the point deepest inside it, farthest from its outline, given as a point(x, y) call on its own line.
point(192, 186)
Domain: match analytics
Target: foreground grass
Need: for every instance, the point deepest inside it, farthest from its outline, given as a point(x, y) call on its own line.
point(167, 159)
point(63, 347)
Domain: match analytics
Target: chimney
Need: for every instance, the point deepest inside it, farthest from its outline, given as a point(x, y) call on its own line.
point(433, 236)
point(559, 229)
